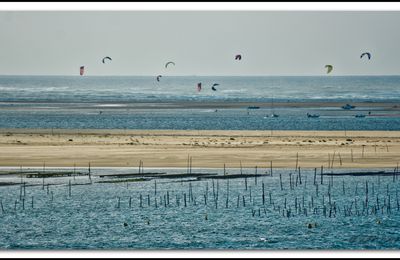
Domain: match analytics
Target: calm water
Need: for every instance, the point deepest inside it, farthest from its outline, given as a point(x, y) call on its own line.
point(92, 218)
point(106, 102)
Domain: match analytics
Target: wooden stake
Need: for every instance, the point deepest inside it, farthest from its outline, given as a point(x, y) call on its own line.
point(322, 175)
point(271, 168)
point(263, 195)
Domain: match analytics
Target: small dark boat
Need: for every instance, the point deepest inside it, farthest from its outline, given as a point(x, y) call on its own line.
point(312, 116)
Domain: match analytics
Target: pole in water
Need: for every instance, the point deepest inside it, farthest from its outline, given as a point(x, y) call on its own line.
point(271, 168)
point(280, 180)
point(315, 176)
point(2, 208)
point(32, 201)
point(322, 175)
point(299, 176)
point(69, 188)
point(89, 171)
point(263, 195)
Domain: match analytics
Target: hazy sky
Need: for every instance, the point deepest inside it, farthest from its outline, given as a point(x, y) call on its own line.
point(199, 42)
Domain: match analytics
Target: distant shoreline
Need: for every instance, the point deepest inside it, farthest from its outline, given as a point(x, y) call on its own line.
point(391, 104)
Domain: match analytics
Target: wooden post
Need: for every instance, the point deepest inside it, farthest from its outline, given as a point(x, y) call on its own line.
point(315, 176)
point(271, 168)
point(344, 191)
point(130, 201)
point(155, 187)
point(167, 197)
point(89, 171)
point(255, 177)
point(2, 208)
point(69, 188)
point(322, 175)
point(299, 176)
point(32, 201)
point(280, 180)
point(263, 194)
point(270, 198)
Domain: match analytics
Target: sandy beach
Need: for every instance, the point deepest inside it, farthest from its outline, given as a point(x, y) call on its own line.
point(213, 149)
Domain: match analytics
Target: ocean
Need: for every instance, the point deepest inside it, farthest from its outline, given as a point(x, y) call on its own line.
point(140, 102)
point(345, 212)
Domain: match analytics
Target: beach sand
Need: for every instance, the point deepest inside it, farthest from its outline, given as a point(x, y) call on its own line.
point(209, 149)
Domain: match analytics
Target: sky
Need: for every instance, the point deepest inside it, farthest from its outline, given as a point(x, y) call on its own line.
point(199, 42)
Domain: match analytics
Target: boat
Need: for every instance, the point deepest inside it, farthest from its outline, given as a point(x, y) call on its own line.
point(312, 116)
point(359, 115)
point(273, 115)
point(348, 107)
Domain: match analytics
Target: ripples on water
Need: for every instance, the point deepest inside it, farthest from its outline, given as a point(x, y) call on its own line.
point(91, 217)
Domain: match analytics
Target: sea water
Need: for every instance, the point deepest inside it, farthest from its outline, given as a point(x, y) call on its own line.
point(235, 216)
point(115, 102)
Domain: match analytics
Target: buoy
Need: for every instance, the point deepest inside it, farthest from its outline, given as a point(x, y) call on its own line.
point(309, 225)
point(125, 224)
